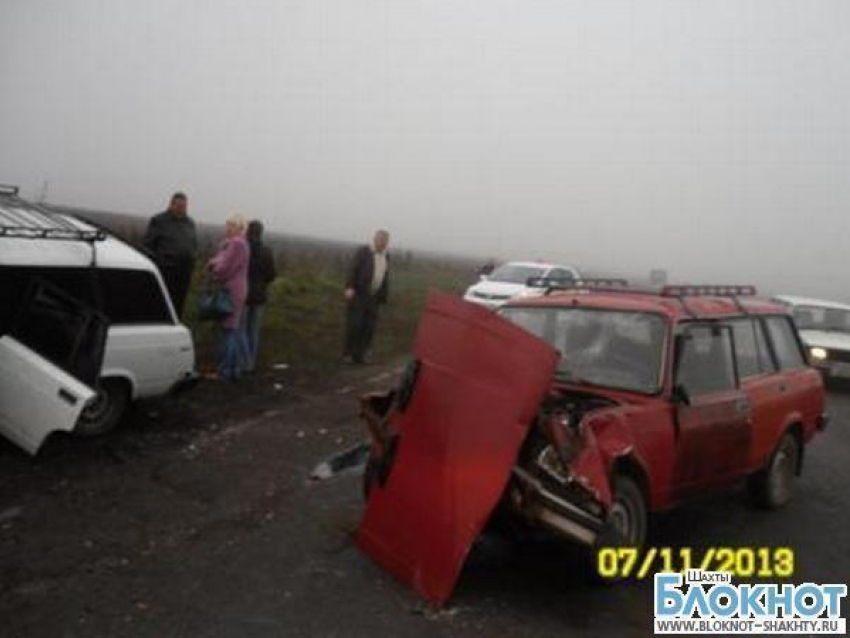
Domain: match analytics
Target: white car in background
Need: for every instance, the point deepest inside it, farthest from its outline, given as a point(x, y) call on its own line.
point(824, 327)
point(101, 280)
point(511, 280)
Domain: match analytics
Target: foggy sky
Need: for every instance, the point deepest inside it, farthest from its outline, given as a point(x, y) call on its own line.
point(711, 138)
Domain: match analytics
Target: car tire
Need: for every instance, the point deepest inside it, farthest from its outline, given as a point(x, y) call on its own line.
point(626, 525)
point(627, 520)
point(106, 410)
point(771, 487)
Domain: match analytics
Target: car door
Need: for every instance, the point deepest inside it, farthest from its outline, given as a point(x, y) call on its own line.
point(49, 362)
point(713, 415)
point(479, 383)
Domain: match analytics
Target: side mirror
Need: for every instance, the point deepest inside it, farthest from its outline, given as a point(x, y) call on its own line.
point(680, 395)
point(483, 277)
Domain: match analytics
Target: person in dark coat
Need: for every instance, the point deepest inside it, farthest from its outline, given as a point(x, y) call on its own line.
point(172, 242)
point(366, 289)
point(261, 272)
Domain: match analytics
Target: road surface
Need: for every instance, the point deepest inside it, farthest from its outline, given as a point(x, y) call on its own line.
point(200, 519)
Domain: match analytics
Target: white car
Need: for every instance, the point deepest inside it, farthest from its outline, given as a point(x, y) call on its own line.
point(147, 352)
point(511, 280)
point(824, 327)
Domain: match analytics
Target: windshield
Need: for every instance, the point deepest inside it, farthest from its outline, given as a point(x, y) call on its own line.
point(514, 274)
point(622, 350)
point(820, 318)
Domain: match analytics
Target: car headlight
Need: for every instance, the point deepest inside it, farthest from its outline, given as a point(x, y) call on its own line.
point(818, 353)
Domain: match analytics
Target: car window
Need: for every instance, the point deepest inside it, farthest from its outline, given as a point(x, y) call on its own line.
point(751, 350)
point(614, 349)
point(822, 318)
point(560, 273)
point(786, 347)
point(768, 365)
point(706, 361)
point(515, 274)
point(59, 328)
point(125, 296)
point(133, 297)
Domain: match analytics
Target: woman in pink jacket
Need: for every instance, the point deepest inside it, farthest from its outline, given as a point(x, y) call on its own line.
point(229, 267)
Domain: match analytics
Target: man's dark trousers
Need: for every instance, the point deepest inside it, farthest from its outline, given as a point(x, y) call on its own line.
point(361, 317)
point(178, 279)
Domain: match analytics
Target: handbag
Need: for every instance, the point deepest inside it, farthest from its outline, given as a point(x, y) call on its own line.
point(215, 302)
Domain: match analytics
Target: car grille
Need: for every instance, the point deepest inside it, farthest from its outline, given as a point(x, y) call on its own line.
point(838, 355)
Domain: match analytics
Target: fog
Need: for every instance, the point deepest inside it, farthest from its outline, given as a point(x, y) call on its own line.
point(710, 138)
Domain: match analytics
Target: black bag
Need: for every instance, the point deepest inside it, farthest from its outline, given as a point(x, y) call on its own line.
point(215, 303)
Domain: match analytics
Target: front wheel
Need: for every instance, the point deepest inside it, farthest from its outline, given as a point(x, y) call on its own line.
point(772, 486)
point(626, 523)
point(625, 526)
point(105, 410)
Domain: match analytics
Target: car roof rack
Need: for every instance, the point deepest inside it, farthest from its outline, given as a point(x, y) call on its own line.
point(20, 219)
point(569, 283)
point(687, 290)
point(683, 291)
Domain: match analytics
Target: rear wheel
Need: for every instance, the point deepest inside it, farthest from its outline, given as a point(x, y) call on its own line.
point(772, 486)
point(105, 410)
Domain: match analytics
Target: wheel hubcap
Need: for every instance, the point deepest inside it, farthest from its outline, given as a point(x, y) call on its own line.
point(621, 520)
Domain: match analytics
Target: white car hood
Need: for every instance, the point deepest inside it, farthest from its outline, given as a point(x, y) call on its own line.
point(497, 288)
point(826, 339)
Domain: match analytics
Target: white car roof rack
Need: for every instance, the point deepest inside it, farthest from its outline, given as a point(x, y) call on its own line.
point(20, 219)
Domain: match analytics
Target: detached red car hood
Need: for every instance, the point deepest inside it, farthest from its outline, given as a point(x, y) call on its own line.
point(478, 388)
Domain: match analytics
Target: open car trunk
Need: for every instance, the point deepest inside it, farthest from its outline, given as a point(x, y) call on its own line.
point(477, 388)
point(50, 361)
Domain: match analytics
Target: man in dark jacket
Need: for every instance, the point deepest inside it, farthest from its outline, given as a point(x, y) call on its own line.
point(366, 289)
point(172, 242)
point(261, 272)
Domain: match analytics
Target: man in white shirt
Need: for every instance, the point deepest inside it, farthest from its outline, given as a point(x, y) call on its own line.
point(366, 288)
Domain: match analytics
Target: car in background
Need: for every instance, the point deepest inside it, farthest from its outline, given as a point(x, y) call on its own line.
point(825, 330)
point(581, 412)
point(511, 280)
point(148, 352)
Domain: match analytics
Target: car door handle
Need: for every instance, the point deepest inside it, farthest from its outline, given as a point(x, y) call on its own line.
point(67, 397)
point(782, 388)
point(742, 405)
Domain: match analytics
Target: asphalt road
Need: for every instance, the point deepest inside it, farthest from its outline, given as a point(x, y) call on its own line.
point(200, 520)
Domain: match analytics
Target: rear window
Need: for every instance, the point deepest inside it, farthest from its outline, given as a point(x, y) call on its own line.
point(133, 297)
point(786, 347)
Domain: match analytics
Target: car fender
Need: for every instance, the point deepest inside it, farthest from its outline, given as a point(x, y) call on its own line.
point(607, 443)
point(124, 375)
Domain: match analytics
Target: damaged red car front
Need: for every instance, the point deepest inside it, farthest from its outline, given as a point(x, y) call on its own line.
point(488, 416)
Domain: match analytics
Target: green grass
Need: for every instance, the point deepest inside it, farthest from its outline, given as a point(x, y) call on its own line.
point(303, 321)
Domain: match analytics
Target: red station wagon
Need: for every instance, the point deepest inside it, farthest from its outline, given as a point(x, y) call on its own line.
point(581, 411)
